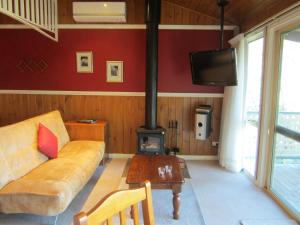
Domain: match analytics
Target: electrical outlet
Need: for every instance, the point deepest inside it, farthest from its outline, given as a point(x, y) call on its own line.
point(215, 144)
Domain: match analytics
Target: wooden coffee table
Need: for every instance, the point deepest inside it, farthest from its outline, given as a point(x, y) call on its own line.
point(145, 167)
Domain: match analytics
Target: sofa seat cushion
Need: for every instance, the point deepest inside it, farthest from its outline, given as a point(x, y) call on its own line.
point(49, 188)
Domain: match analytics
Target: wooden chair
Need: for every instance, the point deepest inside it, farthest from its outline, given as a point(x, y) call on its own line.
point(116, 203)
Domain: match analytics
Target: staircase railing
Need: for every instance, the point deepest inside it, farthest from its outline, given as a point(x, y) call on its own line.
point(40, 15)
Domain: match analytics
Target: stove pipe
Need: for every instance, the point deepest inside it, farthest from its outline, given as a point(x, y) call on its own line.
point(152, 21)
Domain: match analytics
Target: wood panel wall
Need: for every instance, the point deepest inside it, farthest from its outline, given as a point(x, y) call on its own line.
point(124, 115)
point(176, 14)
point(171, 14)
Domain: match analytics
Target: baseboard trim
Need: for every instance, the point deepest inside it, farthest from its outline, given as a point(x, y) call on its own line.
point(186, 157)
point(199, 157)
point(110, 93)
point(125, 26)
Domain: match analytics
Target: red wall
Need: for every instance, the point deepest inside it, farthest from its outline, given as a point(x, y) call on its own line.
point(119, 45)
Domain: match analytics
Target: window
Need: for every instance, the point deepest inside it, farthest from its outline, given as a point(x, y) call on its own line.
point(285, 175)
point(254, 62)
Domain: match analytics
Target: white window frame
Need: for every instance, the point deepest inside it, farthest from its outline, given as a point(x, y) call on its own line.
point(257, 34)
point(270, 96)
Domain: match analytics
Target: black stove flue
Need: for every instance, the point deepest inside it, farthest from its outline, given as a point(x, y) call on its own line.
point(150, 136)
point(152, 21)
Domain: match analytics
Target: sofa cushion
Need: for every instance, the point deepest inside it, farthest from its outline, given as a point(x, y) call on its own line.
point(47, 142)
point(18, 145)
point(49, 188)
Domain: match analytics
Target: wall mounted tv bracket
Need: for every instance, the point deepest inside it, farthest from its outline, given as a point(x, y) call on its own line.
point(222, 4)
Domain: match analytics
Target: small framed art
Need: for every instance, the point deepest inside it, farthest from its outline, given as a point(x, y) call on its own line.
point(84, 62)
point(114, 71)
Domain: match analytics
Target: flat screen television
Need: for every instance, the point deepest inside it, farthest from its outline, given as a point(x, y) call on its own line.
point(217, 68)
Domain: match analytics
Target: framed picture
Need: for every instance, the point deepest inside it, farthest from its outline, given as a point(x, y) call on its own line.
point(84, 62)
point(114, 71)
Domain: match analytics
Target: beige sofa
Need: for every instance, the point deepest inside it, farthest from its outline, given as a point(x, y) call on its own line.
point(29, 182)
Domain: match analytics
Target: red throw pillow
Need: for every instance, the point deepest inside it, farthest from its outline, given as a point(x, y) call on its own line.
point(47, 142)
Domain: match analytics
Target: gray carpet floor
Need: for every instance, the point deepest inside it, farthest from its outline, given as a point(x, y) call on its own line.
point(228, 198)
point(269, 222)
point(190, 212)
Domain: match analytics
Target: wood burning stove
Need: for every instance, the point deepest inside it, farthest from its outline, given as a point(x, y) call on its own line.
point(151, 141)
point(150, 136)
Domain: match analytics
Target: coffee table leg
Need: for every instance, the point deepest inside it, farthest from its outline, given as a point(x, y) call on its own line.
point(176, 202)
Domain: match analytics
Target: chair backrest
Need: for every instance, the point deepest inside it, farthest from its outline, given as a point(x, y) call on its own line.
point(116, 203)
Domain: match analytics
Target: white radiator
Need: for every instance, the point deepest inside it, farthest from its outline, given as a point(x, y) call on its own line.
point(41, 15)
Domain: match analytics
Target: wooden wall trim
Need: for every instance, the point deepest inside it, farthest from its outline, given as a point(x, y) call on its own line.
point(110, 93)
point(125, 26)
point(196, 27)
point(186, 157)
point(193, 95)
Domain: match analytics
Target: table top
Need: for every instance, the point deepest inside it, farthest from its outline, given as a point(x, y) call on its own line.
point(145, 167)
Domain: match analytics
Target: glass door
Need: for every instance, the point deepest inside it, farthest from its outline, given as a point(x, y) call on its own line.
point(254, 66)
point(285, 172)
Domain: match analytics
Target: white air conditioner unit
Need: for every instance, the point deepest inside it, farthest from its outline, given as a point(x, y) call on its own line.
point(101, 12)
